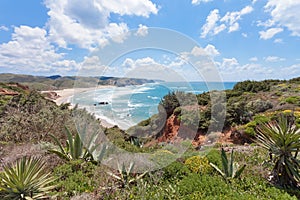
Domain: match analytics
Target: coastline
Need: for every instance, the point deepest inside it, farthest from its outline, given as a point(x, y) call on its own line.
point(64, 96)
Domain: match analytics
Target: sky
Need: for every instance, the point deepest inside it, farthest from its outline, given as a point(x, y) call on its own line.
point(242, 39)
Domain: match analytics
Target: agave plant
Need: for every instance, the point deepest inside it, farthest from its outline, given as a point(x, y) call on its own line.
point(76, 150)
point(27, 179)
point(230, 168)
point(282, 139)
point(126, 176)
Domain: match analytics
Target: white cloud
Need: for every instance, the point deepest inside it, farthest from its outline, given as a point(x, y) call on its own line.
point(274, 59)
point(253, 59)
point(231, 18)
point(87, 24)
point(197, 51)
point(234, 27)
point(31, 51)
point(215, 24)
point(266, 24)
point(197, 2)
point(142, 31)
point(211, 50)
point(245, 35)
point(285, 13)
point(117, 32)
point(129, 7)
point(254, 1)
point(268, 34)
point(3, 28)
point(232, 70)
point(211, 23)
point(278, 41)
point(149, 68)
point(229, 63)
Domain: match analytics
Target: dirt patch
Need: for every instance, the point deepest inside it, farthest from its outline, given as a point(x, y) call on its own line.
point(11, 153)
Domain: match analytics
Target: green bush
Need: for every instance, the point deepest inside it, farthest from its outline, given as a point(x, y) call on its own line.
point(293, 100)
point(211, 187)
point(198, 164)
point(250, 128)
point(162, 157)
point(75, 177)
point(259, 105)
point(252, 86)
point(175, 170)
point(214, 157)
point(177, 111)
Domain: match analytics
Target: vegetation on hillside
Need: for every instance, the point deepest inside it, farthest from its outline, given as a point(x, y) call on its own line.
point(62, 82)
point(265, 113)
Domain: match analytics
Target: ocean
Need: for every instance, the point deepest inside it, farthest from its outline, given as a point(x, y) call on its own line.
point(129, 105)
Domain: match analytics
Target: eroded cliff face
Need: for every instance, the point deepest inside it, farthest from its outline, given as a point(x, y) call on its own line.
point(174, 132)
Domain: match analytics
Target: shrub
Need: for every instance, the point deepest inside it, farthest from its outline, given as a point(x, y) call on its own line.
point(162, 158)
point(75, 177)
point(293, 100)
point(214, 157)
point(175, 170)
point(177, 111)
point(252, 86)
point(250, 128)
point(198, 164)
point(259, 105)
point(208, 187)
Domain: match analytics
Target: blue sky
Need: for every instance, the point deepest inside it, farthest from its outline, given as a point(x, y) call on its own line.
point(245, 39)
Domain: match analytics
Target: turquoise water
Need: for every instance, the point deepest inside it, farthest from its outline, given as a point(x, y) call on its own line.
point(129, 105)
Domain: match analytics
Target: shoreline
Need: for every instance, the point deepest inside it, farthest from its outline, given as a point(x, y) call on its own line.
point(64, 95)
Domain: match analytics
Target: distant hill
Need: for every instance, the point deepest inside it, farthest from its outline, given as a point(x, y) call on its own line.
point(54, 77)
point(62, 82)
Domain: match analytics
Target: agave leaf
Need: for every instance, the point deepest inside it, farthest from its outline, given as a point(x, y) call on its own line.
point(224, 162)
point(239, 172)
point(218, 170)
point(282, 139)
point(26, 178)
point(77, 147)
point(231, 167)
point(113, 175)
point(58, 143)
point(60, 154)
point(70, 142)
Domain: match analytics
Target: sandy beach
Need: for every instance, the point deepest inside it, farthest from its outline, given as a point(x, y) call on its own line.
point(65, 95)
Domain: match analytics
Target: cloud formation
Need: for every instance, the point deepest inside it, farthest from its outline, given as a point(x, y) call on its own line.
point(87, 24)
point(3, 28)
point(268, 34)
point(285, 14)
point(274, 59)
point(30, 50)
point(197, 2)
point(142, 30)
point(215, 24)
